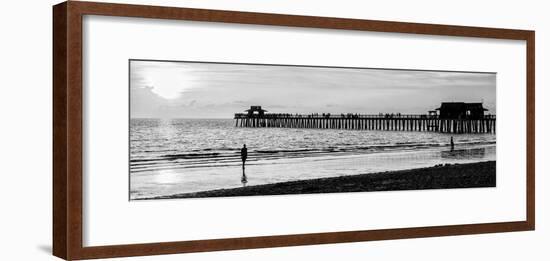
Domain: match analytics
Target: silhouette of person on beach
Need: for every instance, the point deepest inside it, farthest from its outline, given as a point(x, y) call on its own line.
point(452, 144)
point(244, 154)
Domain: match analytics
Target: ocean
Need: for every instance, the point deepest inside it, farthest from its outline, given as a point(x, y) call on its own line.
point(174, 156)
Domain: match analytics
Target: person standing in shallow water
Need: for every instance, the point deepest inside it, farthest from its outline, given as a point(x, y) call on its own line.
point(244, 154)
point(452, 144)
point(244, 180)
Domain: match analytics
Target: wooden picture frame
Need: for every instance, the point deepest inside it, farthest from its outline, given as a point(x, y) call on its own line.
point(68, 145)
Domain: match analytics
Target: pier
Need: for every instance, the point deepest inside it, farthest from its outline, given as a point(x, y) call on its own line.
point(470, 120)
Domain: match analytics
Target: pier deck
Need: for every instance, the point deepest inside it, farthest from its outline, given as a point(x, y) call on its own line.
point(385, 122)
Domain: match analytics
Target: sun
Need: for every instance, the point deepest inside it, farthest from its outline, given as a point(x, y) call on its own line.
point(169, 83)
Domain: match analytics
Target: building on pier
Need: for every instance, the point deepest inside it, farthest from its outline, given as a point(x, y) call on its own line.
point(255, 111)
point(461, 110)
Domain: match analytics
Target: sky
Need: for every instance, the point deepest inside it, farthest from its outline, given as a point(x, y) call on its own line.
point(161, 89)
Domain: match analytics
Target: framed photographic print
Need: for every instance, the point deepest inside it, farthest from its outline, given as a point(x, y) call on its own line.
point(186, 130)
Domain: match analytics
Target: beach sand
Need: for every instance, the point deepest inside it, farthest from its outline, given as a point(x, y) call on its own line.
point(469, 175)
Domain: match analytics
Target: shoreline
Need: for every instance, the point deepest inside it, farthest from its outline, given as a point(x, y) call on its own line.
point(466, 175)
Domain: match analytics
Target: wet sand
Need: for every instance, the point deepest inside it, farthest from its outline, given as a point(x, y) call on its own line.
point(469, 175)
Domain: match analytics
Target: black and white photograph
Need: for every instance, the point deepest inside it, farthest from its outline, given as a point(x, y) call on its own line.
point(275, 130)
point(205, 129)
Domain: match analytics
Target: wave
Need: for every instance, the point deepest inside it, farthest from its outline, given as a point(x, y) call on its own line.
point(285, 150)
point(211, 157)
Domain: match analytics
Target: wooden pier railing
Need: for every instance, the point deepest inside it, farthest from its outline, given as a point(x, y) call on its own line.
point(386, 122)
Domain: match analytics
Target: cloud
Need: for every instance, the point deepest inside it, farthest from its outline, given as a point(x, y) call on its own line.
point(215, 90)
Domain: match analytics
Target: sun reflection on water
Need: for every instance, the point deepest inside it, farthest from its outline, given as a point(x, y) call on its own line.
point(166, 177)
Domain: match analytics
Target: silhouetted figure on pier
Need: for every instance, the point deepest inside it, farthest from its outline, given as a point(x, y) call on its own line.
point(452, 144)
point(244, 154)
